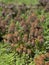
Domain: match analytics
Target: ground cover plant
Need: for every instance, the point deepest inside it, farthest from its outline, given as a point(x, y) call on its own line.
point(24, 32)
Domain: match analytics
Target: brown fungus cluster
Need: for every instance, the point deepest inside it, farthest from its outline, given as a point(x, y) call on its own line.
point(42, 59)
point(31, 30)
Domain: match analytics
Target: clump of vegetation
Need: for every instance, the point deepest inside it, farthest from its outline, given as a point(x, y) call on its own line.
point(24, 34)
point(27, 33)
point(44, 4)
